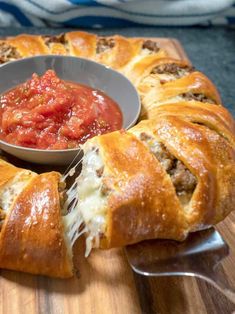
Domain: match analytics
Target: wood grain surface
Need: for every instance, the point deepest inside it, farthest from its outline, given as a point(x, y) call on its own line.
point(105, 284)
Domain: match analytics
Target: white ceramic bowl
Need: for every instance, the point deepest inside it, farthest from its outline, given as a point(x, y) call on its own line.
point(79, 70)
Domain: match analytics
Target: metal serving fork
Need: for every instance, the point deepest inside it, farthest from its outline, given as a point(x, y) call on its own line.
point(197, 256)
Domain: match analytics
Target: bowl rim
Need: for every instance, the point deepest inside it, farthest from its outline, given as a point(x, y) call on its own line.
point(107, 68)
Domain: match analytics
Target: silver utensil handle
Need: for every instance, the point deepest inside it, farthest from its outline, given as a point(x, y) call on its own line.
point(198, 256)
point(215, 279)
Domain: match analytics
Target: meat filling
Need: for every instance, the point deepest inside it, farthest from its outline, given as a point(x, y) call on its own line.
point(183, 180)
point(99, 172)
point(105, 190)
point(62, 195)
point(2, 218)
point(198, 97)
point(174, 69)
point(150, 45)
point(8, 53)
point(60, 39)
point(104, 44)
point(164, 73)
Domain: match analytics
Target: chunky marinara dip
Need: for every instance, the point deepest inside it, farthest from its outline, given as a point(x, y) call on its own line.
point(49, 113)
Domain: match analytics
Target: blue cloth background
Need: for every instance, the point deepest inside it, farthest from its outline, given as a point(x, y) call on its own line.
point(115, 13)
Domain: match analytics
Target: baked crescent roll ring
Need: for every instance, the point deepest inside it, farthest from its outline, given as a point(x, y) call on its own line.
point(156, 70)
point(114, 51)
point(194, 86)
point(32, 237)
point(166, 177)
point(28, 45)
point(124, 194)
point(217, 118)
point(163, 178)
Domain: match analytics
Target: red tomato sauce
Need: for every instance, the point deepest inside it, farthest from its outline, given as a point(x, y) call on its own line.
point(49, 113)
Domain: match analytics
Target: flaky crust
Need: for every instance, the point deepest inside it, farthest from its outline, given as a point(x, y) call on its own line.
point(117, 51)
point(207, 152)
point(7, 172)
point(216, 118)
point(28, 45)
point(134, 57)
point(143, 69)
point(185, 115)
point(195, 82)
point(32, 237)
point(143, 204)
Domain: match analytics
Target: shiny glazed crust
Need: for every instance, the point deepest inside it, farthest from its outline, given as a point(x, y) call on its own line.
point(185, 117)
point(206, 146)
point(117, 51)
point(32, 235)
point(143, 203)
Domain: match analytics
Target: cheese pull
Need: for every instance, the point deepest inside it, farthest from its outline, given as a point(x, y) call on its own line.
point(32, 231)
point(164, 178)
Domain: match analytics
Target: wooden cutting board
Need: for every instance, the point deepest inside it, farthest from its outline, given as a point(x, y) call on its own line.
point(105, 284)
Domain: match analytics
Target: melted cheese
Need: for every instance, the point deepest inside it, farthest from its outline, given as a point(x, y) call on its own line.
point(90, 203)
point(72, 223)
point(13, 188)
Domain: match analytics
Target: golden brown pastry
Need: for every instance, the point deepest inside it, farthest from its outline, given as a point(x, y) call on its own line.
point(168, 176)
point(158, 78)
point(167, 80)
point(155, 71)
point(163, 178)
point(32, 231)
point(115, 51)
point(215, 117)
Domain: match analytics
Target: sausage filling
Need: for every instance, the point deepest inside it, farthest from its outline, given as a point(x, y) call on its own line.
point(2, 218)
point(90, 191)
point(171, 71)
point(62, 196)
point(164, 73)
point(59, 39)
point(150, 46)
point(183, 180)
point(8, 53)
point(104, 44)
point(198, 97)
